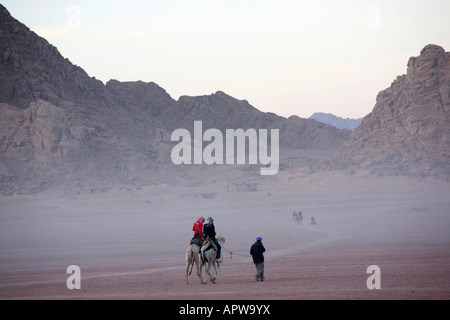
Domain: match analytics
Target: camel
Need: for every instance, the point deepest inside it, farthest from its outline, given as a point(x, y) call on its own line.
point(209, 257)
point(192, 257)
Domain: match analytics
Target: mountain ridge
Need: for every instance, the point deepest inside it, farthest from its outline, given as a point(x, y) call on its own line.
point(62, 129)
point(338, 122)
point(59, 127)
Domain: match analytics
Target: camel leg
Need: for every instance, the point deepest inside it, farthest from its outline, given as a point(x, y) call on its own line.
point(188, 264)
point(218, 272)
point(202, 262)
point(208, 271)
point(215, 278)
point(199, 272)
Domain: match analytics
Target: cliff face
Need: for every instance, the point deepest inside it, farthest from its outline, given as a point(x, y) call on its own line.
point(61, 127)
point(408, 131)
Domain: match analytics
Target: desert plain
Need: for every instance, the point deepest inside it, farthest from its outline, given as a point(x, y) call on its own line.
point(130, 243)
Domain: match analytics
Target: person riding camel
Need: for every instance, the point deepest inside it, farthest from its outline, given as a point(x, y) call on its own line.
point(210, 231)
point(198, 228)
point(198, 232)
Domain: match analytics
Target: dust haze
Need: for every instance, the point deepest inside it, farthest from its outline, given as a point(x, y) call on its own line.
point(130, 242)
point(88, 183)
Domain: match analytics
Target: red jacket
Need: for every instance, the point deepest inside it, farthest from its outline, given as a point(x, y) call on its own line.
point(198, 227)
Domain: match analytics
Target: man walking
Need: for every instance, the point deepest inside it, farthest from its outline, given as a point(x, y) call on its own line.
point(257, 251)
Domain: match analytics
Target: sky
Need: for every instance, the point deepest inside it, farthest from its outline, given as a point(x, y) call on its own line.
point(289, 57)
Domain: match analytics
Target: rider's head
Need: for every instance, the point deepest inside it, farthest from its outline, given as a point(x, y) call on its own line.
point(201, 219)
point(210, 220)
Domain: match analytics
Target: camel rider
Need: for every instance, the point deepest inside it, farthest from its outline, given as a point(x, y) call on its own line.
point(210, 231)
point(198, 228)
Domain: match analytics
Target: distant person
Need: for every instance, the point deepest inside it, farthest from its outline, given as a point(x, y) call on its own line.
point(257, 251)
point(299, 217)
point(294, 215)
point(313, 221)
point(210, 231)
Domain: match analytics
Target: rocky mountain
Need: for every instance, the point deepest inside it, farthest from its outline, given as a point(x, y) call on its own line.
point(335, 121)
point(33, 69)
point(222, 111)
point(61, 128)
point(408, 131)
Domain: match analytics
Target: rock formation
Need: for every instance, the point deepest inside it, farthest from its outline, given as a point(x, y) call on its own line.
point(408, 131)
point(61, 128)
point(222, 111)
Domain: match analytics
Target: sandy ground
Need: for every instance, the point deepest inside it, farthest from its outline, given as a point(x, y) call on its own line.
point(130, 244)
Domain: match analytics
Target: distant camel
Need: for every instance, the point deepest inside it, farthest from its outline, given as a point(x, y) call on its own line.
point(192, 257)
point(209, 255)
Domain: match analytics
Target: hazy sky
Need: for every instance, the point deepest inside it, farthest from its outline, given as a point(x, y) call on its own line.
point(287, 57)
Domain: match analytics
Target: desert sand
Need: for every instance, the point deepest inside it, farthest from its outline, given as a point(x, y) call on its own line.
point(131, 243)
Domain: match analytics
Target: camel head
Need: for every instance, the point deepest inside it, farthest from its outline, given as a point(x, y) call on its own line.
point(221, 239)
